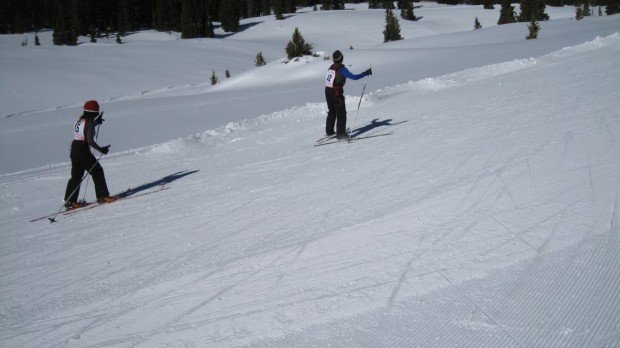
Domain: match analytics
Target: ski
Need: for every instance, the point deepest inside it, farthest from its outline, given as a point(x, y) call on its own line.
point(120, 198)
point(329, 137)
point(352, 139)
point(68, 210)
point(325, 138)
point(91, 205)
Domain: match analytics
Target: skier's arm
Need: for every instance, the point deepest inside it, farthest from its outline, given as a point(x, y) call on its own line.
point(90, 135)
point(346, 73)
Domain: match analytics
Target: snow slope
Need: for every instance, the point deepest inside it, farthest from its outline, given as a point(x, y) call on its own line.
point(487, 217)
point(133, 80)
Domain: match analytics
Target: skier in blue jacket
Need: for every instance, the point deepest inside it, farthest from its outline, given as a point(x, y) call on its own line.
point(337, 76)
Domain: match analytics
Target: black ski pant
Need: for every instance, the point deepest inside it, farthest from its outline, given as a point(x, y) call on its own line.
point(337, 111)
point(82, 160)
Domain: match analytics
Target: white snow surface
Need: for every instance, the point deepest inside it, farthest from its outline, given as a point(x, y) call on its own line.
point(484, 215)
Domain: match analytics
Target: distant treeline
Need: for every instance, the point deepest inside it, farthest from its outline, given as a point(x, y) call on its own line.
point(191, 17)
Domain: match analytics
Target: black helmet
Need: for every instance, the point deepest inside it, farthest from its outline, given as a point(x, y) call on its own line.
point(337, 56)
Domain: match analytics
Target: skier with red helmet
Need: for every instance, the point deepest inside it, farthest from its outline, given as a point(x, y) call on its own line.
point(83, 160)
point(337, 75)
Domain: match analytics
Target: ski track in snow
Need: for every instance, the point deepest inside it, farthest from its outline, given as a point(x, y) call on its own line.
point(442, 242)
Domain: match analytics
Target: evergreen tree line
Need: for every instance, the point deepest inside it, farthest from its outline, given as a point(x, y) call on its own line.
point(110, 16)
point(554, 3)
point(193, 18)
point(381, 4)
point(102, 17)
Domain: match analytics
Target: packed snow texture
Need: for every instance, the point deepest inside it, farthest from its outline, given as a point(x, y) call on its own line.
point(485, 215)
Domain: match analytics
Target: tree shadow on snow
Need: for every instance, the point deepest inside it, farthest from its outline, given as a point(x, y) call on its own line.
point(165, 180)
point(372, 125)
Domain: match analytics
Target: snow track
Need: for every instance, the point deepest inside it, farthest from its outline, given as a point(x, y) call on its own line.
point(546, 302)
point(488, 218)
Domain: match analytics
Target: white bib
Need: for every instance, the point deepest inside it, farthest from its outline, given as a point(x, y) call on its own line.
point(78, 130)
point(329, 79)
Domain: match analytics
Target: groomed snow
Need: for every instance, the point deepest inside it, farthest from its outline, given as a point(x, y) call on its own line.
point(487, 215)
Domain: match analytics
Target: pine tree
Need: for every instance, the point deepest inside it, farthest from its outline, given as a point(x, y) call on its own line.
point(66, 26)
point(488, 5)
point(259, 60)
point(36, 40)
point(477, 24)
point(92, 35)
point(290, 6)
point(74, 24)
point(205, 25)
point(214, 79)
point(381, 4)
point(406, 10)
point(392, 27)
point(388, 4)
point(278, 9)
point(612, 7)
point(374, 4)
point(507, 13)
point(586, 8)
point(578, 12)
point(533, 28)
point(297, 47)
point(251, 9)
point(229, 15)
point(118, 38)
point(265, 7)
point(190, 19)
point(535, 8)
point(166, 15)
point(122, 17)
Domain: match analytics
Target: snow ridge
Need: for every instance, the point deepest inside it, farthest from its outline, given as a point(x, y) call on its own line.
point(472, 75)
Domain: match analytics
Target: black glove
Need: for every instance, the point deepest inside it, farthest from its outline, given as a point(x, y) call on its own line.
point(368, 72)
point(105, 149)
point(99, 120)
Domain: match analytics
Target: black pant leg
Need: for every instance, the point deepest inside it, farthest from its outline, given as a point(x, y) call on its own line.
point(101, 187)
point(341, 115)
point(331, 111)
point(73, 186)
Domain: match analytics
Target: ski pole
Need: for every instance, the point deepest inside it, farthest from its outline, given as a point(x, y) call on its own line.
point(359, 103)
point(85, 189)
point(53, 218)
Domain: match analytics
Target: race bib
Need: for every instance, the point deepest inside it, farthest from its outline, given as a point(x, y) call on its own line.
point(329, 79)
point(78, 130)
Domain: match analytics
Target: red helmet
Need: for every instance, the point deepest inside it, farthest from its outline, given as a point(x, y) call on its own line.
point(91, 106)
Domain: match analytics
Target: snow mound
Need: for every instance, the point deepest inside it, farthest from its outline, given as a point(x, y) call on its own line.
point(472, 75)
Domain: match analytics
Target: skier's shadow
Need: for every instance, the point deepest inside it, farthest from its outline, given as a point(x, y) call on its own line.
point(165, 180)
point(372, 125)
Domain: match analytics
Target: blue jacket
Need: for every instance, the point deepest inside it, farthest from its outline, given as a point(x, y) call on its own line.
point(346, 73)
